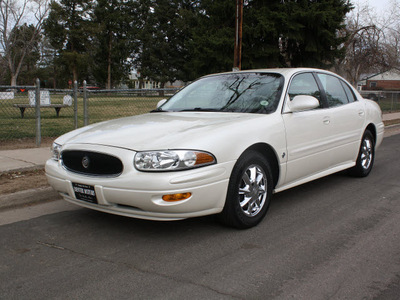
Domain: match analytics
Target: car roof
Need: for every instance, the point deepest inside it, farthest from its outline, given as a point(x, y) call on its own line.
point(282, 71)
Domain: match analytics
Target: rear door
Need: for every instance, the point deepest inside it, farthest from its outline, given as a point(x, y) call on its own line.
point(347, 117)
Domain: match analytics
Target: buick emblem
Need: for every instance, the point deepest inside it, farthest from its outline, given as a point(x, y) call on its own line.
point(85, 162)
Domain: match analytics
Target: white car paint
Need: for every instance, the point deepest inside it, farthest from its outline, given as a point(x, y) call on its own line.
point(307, 145)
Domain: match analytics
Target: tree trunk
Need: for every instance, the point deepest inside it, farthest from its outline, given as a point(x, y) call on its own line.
point(14, 71)
point(161, 92)
point(108, 85)
point(74, 74)
point(14, 79)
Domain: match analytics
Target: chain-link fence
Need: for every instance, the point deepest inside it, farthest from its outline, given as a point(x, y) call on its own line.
point(11, 124)
point(389, 101)
point(61, 111)
point(111, 104)
point(20, 119)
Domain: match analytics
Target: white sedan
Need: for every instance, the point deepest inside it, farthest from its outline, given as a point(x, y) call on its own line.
point(222, 145)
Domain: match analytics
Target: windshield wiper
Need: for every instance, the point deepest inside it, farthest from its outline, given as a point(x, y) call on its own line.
point(158, 110)
point(201, 109)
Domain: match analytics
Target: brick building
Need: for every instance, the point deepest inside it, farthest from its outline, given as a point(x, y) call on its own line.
point(386, 81)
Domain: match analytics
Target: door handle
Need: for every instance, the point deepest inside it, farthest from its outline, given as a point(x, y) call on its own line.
point(326, 120)
point(361, 113)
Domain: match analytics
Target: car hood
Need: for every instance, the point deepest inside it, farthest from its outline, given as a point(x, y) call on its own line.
point(157, 131)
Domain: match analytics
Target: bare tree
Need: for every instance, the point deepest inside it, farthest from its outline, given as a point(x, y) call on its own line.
point(373, 42)
point(391, 27)
point(13, 15)
point(364, 48)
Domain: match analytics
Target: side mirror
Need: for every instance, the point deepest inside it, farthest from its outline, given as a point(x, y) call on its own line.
point(303, 102)
point(161, 102)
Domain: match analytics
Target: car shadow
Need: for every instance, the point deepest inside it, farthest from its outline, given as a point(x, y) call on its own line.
point(282, 203)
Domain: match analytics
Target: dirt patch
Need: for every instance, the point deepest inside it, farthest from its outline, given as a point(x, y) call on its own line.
point(392, 130)
point(25, 143)
point(392, 122)
point(12, 182)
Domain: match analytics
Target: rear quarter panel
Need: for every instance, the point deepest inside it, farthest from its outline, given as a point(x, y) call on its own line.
point(374, 116)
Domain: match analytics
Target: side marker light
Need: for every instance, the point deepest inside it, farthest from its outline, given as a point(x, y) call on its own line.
point(176, 197)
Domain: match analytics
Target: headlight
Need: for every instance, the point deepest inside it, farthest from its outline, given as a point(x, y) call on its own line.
point(172, 160)
point(56, 151)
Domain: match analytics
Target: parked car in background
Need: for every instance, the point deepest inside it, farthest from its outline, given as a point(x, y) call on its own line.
point(222, 145)
point(90, 88)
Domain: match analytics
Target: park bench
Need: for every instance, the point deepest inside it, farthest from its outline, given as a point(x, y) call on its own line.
point(44, 102)
point(6, 95)
point(57, 107)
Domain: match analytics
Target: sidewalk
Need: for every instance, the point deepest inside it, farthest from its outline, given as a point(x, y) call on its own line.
point(35, 158)
point(23, 159)
point(391, 116)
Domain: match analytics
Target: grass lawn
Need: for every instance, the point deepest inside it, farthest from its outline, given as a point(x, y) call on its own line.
point(101, 107)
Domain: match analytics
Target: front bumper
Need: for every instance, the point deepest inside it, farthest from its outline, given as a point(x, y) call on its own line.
point(139, 194)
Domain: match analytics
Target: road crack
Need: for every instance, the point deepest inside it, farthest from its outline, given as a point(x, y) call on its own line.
point(51, 245)
point(140, 270)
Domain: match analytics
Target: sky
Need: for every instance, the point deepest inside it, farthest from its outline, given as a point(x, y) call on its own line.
point(379, 5)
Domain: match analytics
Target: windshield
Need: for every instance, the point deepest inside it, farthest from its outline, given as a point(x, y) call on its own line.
point(240, 92)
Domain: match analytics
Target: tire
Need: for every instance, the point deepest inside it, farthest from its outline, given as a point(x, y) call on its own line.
point(249, 191)
point(366, 156)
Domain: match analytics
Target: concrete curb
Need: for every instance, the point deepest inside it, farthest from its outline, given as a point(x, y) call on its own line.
point(24, 169)
point(28, 197)
point(392, 125)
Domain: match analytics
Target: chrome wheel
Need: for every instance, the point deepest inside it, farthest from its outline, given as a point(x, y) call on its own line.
point(249, 191)
point(252, 191)
point(366, 153)
point(365, 158)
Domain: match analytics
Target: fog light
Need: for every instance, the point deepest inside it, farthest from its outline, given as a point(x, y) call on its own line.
point(176, 197)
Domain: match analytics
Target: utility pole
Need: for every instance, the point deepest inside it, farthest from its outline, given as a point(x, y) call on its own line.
point(237, 60)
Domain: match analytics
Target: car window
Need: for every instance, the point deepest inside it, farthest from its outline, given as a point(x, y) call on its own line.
point(304, 84)
point(237, 92)
point(334, 90)
point(348, 91)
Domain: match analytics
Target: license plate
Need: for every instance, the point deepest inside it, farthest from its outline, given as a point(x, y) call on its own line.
point(84, 192)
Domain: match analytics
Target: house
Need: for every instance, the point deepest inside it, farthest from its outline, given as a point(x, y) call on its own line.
point(137, 82)
point(386, 81)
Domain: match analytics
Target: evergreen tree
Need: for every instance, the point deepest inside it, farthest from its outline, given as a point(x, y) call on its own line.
point(310, 32)
point(262, 30)
point(113, 40)
point(68, 29)
point(212, 38)
point(275, 34)
point(163, 32)
point(183, 39)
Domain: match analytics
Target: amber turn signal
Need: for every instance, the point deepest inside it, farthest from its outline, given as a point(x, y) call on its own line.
point(176, 197)
point(203, 158)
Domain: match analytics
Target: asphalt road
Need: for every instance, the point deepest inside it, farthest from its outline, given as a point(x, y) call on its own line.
point(335, 238)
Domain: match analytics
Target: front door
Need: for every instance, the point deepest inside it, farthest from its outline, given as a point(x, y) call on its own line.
point(308, 133)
